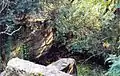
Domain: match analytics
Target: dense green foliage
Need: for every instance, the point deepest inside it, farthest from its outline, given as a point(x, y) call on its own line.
point(90, 26)
point(91, 23)
point(115, 66)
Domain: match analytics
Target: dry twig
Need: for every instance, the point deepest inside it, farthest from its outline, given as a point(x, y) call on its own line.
point(10, 34)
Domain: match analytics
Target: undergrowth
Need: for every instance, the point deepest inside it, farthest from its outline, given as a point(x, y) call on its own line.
point(114, 69)
point(89, 70)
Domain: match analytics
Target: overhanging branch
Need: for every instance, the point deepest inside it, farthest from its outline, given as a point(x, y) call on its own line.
point(10, 34)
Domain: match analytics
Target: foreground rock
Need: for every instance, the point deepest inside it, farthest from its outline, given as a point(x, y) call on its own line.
point(19, 67)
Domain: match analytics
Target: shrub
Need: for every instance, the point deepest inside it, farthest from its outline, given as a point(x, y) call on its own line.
point(114, 69)
point(93, 25)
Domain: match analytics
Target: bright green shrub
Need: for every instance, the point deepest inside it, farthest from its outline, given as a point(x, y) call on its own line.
point(93, 24)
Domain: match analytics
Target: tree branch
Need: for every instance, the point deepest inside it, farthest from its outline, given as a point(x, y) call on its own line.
point(91, 57)
point(4, 5)
point(10, 34)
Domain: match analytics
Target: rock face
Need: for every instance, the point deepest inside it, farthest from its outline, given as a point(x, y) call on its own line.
point(20, 67)
point(30, 42)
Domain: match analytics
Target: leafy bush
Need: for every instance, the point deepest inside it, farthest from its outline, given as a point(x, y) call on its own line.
point(114, 69)
point(93, 25)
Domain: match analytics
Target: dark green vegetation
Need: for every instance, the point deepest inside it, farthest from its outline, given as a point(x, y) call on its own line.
point(88, 30)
